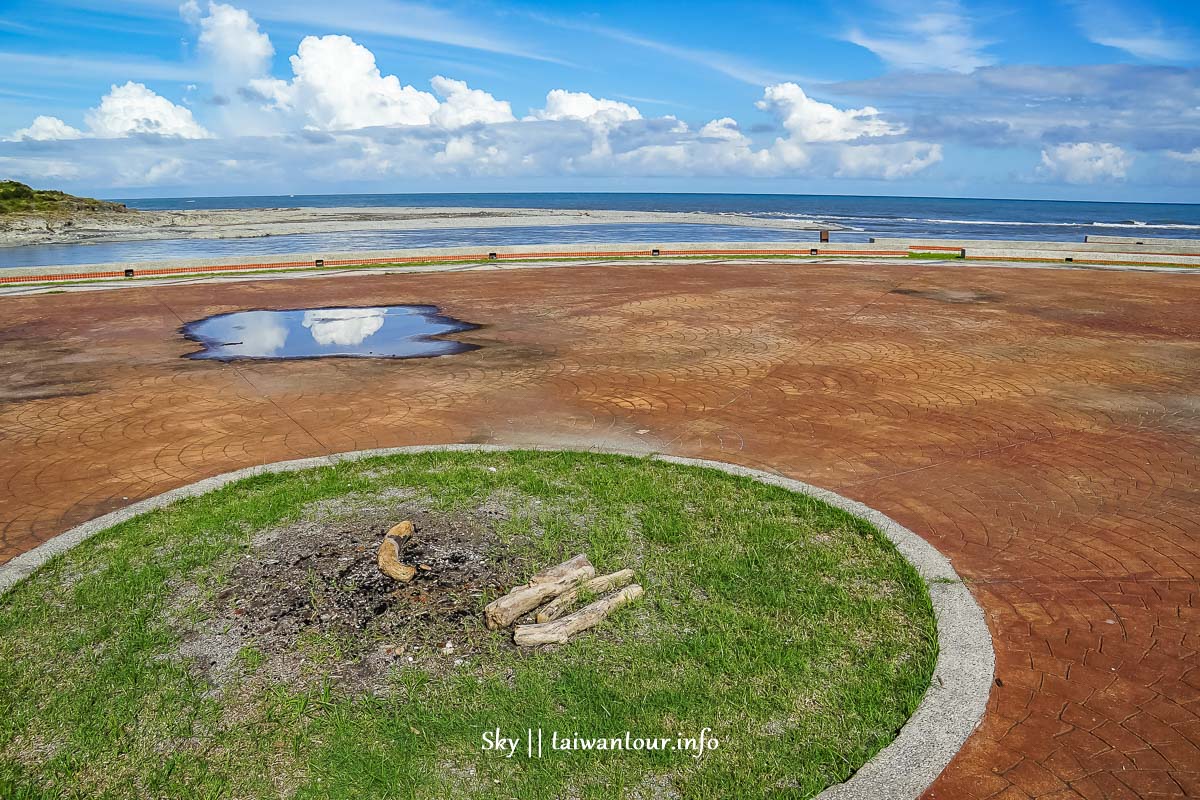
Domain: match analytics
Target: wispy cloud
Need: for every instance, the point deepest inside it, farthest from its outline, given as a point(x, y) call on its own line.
point(9, 25)
point(653, 101)
point(724, 63)
point(402, 20)
point(1136, 31)
point(26, 95)
point(1138, 106)
point(391, 18)
point(1191, 157)
point(927, 36)
point(88, 68)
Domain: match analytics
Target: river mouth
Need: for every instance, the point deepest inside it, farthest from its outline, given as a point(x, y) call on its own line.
point(399, 331)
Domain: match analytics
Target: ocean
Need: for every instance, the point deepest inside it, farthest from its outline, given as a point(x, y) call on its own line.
point(864, 217)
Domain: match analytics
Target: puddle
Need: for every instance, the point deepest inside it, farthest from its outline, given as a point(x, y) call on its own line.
point(379, 332)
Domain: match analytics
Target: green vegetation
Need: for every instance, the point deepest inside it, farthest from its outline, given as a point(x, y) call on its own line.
point(792, 630)
point(955, 256)
point(17, 198)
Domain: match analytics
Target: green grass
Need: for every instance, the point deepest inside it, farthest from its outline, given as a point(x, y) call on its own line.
point(793, 631)
point(17, 198)
point(936, 256)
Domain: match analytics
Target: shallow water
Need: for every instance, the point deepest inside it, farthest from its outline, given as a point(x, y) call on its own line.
point(376, 332)
point(948, 217)
point(863, 217)
point(343, 241)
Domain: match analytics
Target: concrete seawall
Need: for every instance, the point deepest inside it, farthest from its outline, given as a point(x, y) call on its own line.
point(1181, 244)
point(1037, 253)
point(1161, 246)
point(1114, 250)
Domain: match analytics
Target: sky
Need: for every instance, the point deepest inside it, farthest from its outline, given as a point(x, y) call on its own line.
point(1050, 99)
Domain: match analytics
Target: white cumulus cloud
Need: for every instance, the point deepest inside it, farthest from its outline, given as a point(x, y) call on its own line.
point(124, 111)
point(337, 86)
point(813, 121)
point(374, 127)
point(466, 106)
point(44, 129)
point(231, 39)
point(133, 108)
point(725, 129)
point(167, 170)
point(563, 105)
point(1085, 162)
point(887, 161)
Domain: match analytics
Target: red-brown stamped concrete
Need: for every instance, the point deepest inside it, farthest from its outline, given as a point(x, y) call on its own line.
point(1042, 428)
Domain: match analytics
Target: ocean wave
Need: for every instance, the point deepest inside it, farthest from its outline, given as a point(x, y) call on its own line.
point(866, 220)
point(1182, 226)
point(1095, 224)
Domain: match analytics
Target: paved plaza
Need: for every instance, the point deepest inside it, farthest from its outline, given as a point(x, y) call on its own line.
point(1040, 427)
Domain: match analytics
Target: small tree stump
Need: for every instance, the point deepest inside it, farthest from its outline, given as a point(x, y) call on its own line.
point(550, 583)
point(601, 583)
point(402, 531)
point(561, 630)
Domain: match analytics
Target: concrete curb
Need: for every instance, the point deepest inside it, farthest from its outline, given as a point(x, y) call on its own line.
point(21, 288)
point(482, 252)
point(950, 711)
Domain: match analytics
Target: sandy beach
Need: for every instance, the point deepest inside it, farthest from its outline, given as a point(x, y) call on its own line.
point(259, 222)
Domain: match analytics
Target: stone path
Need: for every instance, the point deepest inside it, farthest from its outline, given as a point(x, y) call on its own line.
point(1040, 427)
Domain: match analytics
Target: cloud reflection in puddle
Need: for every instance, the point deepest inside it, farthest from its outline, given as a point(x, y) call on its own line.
point(376, 332)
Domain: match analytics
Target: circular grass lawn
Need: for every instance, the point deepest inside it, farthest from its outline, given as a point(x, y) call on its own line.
point(240, 644)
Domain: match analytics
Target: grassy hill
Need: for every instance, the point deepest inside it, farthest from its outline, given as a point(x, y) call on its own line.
point(17, 198)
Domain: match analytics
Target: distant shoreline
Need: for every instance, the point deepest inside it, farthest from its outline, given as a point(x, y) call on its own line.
point(240, 227)
point(594, 200)
point(259, 222)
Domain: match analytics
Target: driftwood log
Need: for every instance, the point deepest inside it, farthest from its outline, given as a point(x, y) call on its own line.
point(559, 631)
point(550, 583)
point(601, 583)
point(390, 549)
point(568, 567)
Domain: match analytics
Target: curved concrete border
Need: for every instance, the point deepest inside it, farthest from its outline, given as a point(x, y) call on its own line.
point(951, 709)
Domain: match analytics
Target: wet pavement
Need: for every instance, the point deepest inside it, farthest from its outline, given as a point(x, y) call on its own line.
point(1040, 427)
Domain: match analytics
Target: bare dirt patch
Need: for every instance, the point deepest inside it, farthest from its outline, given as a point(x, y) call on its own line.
point(308, 599)
point(950, 295)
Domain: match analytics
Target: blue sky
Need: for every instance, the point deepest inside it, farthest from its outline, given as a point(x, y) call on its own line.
point(1052, 99)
